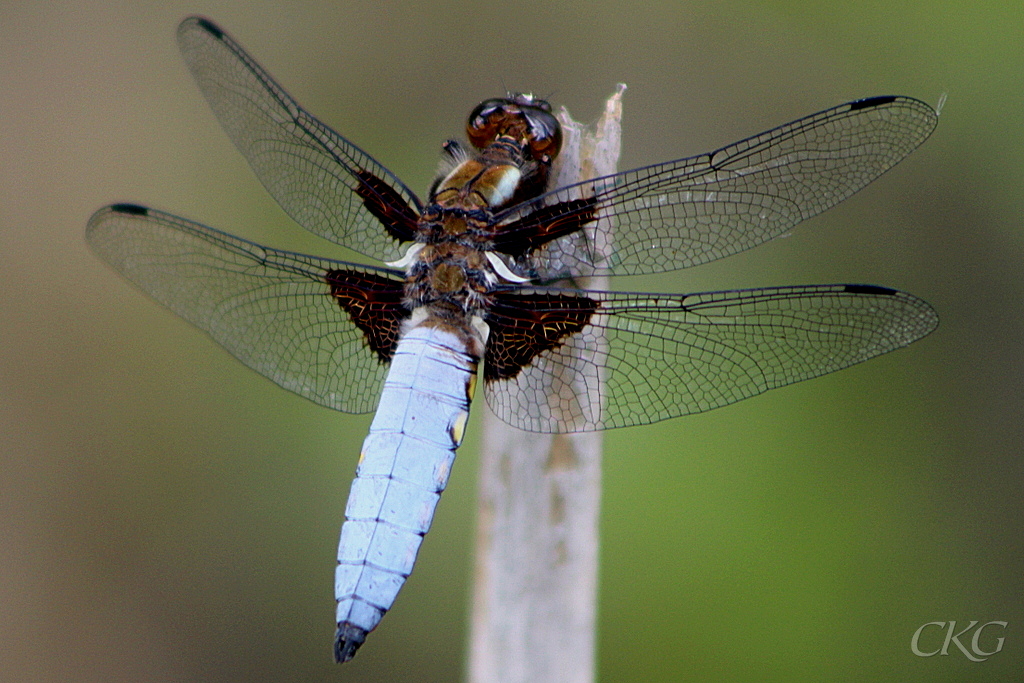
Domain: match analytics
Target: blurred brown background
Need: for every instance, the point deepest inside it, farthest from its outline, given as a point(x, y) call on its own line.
point(167, 515)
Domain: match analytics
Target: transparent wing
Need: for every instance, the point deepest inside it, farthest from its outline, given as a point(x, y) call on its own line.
point(682, 213)
point(327, 184)
point(272, 310)
point(642, 358)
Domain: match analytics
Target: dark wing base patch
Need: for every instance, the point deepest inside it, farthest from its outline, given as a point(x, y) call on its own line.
point(387, 206)
point(543, 225)
point(524, 325)
point(374, 304)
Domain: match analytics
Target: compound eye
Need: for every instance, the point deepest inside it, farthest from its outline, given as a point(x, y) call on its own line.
point(488, 120)
point(545, 132)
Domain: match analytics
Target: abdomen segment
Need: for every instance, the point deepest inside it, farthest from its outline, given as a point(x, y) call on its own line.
point(403, 468)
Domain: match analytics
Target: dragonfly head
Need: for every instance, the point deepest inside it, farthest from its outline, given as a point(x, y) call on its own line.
point(521, 116)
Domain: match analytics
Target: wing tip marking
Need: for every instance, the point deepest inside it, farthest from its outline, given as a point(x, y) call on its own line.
point(206, 25)
point(130, 209)
point(870, 289)
point(869, 102)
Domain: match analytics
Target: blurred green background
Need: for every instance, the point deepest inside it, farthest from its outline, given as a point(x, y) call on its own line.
point(168, 515)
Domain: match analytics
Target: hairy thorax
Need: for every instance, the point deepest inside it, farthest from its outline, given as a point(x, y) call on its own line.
point(453, 268)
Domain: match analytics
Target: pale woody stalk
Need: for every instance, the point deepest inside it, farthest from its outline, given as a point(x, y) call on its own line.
point(534, 612)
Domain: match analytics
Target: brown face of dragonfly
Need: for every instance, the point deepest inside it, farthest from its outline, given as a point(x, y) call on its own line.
point(527, 120)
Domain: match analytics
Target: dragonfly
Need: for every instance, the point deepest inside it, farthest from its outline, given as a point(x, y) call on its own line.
point(482, 276)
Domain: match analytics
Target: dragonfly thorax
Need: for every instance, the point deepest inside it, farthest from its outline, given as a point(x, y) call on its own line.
point(451, 273)
point(480, 183)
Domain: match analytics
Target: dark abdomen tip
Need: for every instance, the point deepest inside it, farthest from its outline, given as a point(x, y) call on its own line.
point(346, 641)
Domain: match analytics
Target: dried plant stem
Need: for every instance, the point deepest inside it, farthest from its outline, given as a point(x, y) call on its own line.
point(535, 593)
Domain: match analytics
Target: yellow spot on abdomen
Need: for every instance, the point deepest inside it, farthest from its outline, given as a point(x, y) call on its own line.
point(458, 428)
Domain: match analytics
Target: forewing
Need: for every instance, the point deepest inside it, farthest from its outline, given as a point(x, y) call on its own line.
point(327, 184)
point(687, 212)
point(301, 321)
point(639, 358)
